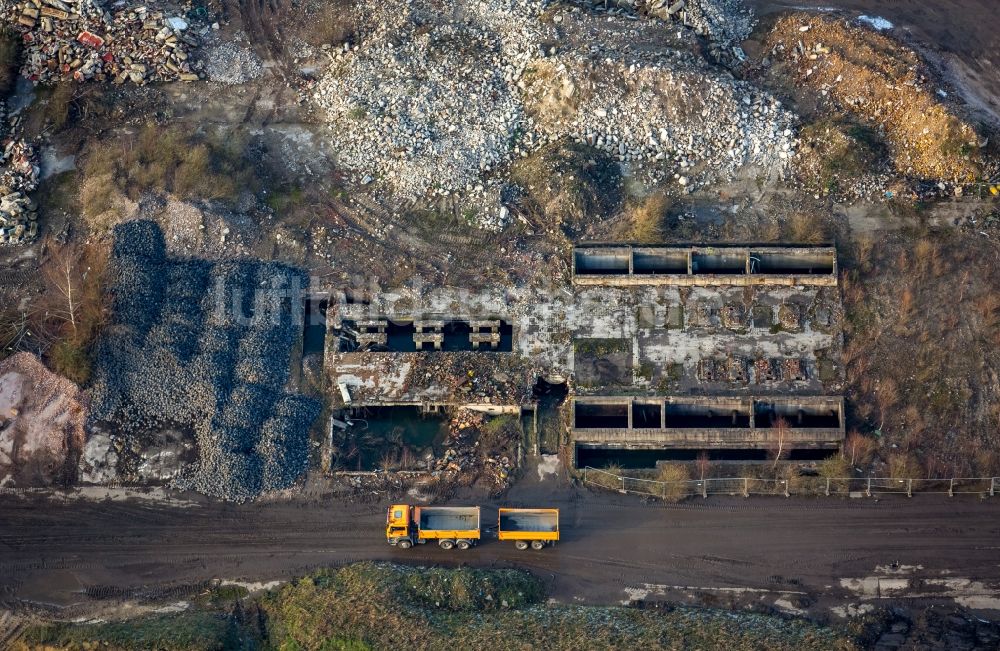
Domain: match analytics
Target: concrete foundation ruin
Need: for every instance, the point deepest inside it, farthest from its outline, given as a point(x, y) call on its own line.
point(632, 265)
point(741, 427)
point(672, 327)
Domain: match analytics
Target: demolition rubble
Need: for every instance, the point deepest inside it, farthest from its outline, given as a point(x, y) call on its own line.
point(18, 177)
point(80, 40)
point(429, 108)
point(179, 356)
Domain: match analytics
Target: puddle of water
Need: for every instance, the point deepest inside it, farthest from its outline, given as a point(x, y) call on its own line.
point(395, 431)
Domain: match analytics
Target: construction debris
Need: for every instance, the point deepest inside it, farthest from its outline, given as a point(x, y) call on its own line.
point(430, 108)
point(18, 177)
point(79, 39)
point(41, 423)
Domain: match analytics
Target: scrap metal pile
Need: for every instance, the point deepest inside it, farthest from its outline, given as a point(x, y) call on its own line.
point(79, 39)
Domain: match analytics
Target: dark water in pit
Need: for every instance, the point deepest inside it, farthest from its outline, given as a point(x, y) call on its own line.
point(397, 431)
point(637, 459)
point(314, 333)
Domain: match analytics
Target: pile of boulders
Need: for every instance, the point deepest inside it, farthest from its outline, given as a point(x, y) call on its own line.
point(18, 177)
point(81, 40)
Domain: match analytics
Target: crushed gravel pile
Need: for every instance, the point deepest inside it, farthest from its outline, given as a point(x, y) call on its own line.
point(431, 106)
point(206, 347)
point(232, 63)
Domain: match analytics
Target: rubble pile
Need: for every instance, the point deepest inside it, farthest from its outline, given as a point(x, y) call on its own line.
point(79, 39)
point(465, 454)
point(41, 423)
point(18, 177)
point(232, 63)
point(883, 85)
point(432, 108)
point(469, 377)
point(204, 347)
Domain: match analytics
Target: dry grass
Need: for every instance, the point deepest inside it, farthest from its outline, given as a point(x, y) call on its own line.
point(647, 220)
point(674, 476)
point(922, 350)
point(609, 478)
point(807, 228)
point(161, 160)
point(568, 186)
point(882, 85)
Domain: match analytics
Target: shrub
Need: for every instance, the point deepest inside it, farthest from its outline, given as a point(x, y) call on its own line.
point(674, 478)
point(158, 159)
point(647, 220)
point(69, 359)
point(903, 466)
point(838, 468)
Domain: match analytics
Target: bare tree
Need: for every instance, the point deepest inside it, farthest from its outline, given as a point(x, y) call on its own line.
point(780, 428)
point(64, 279)
point(703, 464)
point(858, 449)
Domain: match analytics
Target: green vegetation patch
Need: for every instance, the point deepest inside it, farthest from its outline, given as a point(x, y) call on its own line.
point(191, 630)
point(374, 603)
point(382, 606)
point(599, 347)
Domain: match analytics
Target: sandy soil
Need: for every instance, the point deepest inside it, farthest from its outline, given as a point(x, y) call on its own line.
point(962, 36)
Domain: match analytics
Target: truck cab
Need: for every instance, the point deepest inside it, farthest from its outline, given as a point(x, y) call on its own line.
point(398, 524)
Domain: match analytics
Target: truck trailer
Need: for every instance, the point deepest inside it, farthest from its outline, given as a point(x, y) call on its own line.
point(534, 527)
point(450, 526)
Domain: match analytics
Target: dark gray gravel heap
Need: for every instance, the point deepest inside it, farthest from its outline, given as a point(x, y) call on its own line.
point(205, 346)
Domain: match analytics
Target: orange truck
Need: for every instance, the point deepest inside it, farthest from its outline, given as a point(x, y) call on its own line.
point(459, 526)
point(529, 527)
point(450, 526)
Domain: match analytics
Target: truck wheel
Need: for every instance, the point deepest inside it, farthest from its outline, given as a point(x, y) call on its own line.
point(537, 544)
point(463, 544)
point(521, 544)
point(404, 544)
point(447, 544)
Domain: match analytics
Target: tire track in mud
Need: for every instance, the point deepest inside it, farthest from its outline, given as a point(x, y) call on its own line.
point(609, 543)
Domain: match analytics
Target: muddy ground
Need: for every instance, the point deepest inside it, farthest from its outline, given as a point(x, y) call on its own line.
point(822, 557)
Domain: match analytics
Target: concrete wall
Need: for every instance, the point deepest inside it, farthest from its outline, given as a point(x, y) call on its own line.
point(710, 422)
point(630, 266)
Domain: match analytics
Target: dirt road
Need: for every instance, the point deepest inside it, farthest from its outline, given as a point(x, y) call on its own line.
point(614, 548)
